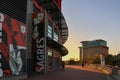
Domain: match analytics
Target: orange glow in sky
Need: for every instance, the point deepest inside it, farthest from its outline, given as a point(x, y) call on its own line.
point(91, 20)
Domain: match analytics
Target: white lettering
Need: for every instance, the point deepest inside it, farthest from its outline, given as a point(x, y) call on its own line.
point(40, 55)
point(41, 63)
point(41, 45)
point(41, 66)
point(40, 51)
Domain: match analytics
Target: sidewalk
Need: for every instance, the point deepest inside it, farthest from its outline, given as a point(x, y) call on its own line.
point(105, 71)
point(73, 73)
point(108, 70)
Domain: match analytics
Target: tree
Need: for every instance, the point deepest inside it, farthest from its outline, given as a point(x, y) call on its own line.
point(71, 61)
point(118, 58)
point(109, 59)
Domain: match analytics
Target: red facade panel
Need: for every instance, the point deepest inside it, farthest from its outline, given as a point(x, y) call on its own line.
point(59, 3)
point(12, 46)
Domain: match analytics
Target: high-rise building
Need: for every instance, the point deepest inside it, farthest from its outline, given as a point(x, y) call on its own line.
point(94, 48)
point(32, 34)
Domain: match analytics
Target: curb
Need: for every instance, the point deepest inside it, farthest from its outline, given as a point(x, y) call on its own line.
point(19, 77)
point(107, 74)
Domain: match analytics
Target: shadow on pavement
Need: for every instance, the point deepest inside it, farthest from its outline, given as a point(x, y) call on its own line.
point(72, 73)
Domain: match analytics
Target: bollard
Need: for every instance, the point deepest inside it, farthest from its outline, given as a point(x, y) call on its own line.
point(115, 71)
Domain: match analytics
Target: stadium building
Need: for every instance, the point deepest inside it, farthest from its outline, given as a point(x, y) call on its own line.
point(32, 34)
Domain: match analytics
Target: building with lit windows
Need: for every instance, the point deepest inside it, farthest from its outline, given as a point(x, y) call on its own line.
point(92, 49)
point(32, 34)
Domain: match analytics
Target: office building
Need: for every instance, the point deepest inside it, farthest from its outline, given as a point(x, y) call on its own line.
point(91, 49)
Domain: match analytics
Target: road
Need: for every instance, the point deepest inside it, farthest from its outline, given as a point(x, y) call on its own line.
point(72, 72)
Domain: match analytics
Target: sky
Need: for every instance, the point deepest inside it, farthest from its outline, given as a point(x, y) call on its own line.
point(91, 20)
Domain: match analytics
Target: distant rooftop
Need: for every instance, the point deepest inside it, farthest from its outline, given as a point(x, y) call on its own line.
point(94, 43)
point(94, 40)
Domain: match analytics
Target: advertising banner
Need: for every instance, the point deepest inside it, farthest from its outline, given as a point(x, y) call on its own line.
point(12, 46)
point(39, 41)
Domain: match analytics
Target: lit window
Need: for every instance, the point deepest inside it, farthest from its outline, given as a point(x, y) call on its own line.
point(55, 37)
point(49, 31)
point(49, 53)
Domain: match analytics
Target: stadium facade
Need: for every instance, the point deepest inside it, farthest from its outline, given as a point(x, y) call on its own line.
point(32, 34)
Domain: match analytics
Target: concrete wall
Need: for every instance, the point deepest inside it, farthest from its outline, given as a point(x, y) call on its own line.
point(29, 36)
point(29, 25)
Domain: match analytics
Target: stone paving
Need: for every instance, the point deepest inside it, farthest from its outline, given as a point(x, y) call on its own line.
point(74, 73)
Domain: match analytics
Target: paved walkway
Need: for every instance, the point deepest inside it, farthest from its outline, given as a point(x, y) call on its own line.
point(73, 72)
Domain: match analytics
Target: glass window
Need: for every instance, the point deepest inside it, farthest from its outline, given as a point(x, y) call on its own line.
point(55, 37)
point(49, 31)
point(49, 53)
